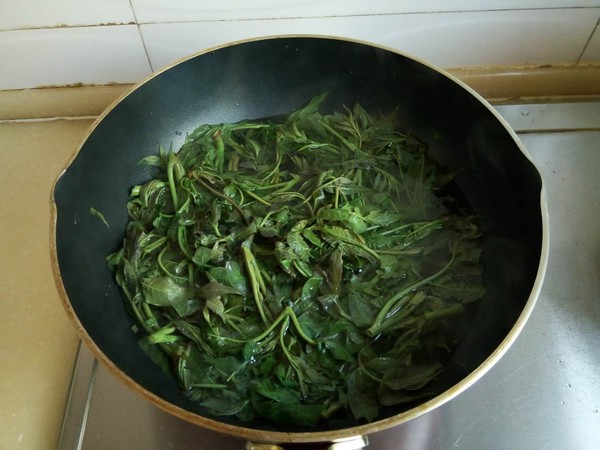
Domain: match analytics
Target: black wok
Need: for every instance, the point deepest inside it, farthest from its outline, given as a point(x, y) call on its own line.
point(269, 77)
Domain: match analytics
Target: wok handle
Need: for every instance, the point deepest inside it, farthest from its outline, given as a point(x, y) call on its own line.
point(352, 443)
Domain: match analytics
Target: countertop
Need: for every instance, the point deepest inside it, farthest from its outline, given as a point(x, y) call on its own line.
point(38, 343)
point(39, 131)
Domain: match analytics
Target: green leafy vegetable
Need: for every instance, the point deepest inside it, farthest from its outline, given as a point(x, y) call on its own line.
point(99, 215)
point(300, 269)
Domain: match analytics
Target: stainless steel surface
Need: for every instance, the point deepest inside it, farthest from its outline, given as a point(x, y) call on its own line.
point(543, 394)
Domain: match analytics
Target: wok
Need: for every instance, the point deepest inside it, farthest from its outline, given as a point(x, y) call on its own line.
point(270, 77)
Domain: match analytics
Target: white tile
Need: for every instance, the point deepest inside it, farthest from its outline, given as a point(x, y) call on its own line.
point(157, 11)
point(59, 56)
point(23, 14)
point(499, 38)
point(592, 50)
point(443, 39)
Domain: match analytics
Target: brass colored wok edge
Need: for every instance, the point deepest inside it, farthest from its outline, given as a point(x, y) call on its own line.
point(351, 443)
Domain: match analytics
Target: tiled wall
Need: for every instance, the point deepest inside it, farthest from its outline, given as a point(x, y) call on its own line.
point(59, 42)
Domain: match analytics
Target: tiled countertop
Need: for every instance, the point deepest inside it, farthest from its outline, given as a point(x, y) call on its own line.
point(38, 343)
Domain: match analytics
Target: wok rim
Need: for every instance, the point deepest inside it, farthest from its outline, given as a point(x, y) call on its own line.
point(261, 435)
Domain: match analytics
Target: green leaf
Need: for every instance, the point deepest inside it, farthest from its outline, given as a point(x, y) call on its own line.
point(382, 218)
point(99, 215)
point(227, 366)
point(251, 350)
point(361, 309)
point(193, 369)
point(223, 406)
point(231, 276)
point(163, 291)
point(380, 364)
point(114, 259)
point(194, 333)
point(271, 391)
point(361, 397)
point(153, 160)
point(214, 290)
point(336, 270)
point(311, 108)
point(311, 237)
point(287, 412)
point(388, 397)
point(333, 214)
point(202, 256)
point(156, 354)
point(298, 245)
point(356, 223)
point(410, 378)
point(340, 351)
point(329, 303)
point(311, 288)
point(332, 233)
point(215, 305)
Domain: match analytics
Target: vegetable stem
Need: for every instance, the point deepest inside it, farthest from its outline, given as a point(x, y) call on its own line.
point(270, 328)
point(222, 197)
point(376, 327)
point(445, 312)
point(160, 263)
point(172, 163)
point(220, 153)
point(164, 336)
point(257, 198)
point(254, 275)
point(298, 327)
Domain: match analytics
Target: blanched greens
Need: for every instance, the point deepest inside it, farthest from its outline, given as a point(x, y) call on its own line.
point(299, 269)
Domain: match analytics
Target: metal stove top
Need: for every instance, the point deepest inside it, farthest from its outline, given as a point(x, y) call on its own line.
point(543, 394)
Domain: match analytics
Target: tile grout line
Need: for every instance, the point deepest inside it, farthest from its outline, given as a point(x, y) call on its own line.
point(327, 16)
point(64, 27)
point(137, 24)
point(342, 16)
point(587, 43)
point(48, 119)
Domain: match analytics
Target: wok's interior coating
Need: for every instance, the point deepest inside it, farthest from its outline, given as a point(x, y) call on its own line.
point(272, 77)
